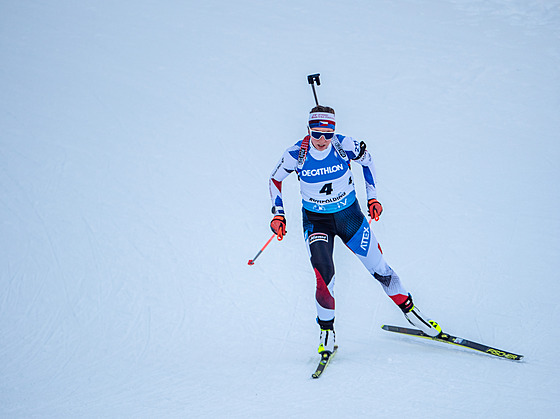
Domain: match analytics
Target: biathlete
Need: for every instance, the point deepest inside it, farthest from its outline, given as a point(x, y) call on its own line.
point(330, 208)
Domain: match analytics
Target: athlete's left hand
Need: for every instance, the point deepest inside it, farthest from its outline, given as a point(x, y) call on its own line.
point(375, 209)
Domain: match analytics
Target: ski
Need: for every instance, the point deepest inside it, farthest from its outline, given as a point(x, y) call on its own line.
point(326, 357)
point(454, 340)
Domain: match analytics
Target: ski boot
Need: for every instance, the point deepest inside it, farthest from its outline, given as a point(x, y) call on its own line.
point(418, 320)
point(327, 337)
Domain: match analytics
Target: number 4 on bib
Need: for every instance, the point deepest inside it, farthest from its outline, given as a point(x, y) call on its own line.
point(327, 188)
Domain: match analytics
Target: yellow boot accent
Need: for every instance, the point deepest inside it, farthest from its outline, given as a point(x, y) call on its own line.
point(435, 325)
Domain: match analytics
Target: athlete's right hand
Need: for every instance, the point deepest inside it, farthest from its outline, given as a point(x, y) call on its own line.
point(278, 226)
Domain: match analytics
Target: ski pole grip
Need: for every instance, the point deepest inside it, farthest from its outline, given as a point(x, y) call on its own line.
point(314, 78)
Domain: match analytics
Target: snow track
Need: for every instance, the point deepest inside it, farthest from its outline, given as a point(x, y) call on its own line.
point(136, 143)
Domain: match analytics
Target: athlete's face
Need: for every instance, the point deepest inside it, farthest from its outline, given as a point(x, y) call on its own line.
point(321, 143)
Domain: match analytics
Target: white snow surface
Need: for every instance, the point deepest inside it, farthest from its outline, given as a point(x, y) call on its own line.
point(137, 139)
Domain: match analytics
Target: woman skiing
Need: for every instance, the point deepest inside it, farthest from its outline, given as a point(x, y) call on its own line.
point(330, 208)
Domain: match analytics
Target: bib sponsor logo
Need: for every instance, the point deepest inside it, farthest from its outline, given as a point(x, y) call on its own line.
point(322, 171)
point(315, 237)
point(329, 200)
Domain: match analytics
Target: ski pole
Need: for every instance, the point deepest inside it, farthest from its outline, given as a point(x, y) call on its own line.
point(252, 261)
point(311, 79)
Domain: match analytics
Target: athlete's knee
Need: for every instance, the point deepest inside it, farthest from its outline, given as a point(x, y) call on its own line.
point(384, 279)
point(325, 271)
point(384, 274)
point(322, 264)
point(324, 294)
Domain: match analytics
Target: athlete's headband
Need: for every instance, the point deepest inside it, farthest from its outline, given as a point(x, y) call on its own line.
point(321, 119)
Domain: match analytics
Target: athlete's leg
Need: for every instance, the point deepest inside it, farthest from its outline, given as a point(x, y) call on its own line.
point(366, 247)
point(320, 245)
point(355, 232)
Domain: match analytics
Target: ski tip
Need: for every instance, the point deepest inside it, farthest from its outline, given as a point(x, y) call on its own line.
point(385, 327)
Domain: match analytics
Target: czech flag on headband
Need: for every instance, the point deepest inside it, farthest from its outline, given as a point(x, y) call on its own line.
point(321, 119)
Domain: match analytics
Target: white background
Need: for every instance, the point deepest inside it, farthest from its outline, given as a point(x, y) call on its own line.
point(136, 142)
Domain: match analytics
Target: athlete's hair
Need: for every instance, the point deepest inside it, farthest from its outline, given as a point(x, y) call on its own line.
point(320, 108)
